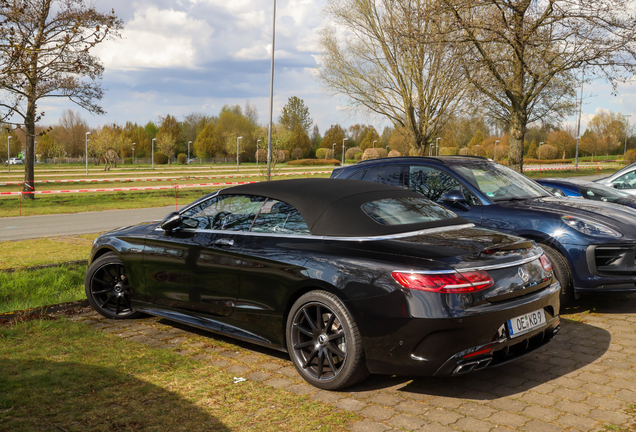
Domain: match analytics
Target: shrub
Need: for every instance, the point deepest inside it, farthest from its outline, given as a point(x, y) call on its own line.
point(297, 153)
point(351, 153)
point(547, 161)
point(478, 151)
point(448, 151)
point(502, 152)
point(278, 155)
point(262, 155)
point(182, 158)
point(286, 154)
point(394, 153)
point(630, 156)
point(381, 152)
point(160, 158)
point(464, 151)
point(370, 153)
point(358, 157)
point(314, 162)
point(323, 153)
point(547, 151)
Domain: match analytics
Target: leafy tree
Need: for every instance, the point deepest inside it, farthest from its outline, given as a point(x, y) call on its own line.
point(477, 139)
point(449, 139)
point(562, 140)
point(133, 133)
point(167, 144)
point(370, 136)
point(45, 52)
point(151, 130)
point(532, 150)
point(106, 143)
point(295, 113)
point(207, 143)
point(46, 146)
point(399, 141)
point(299, 139)
point(15, 144)
point(334, 135)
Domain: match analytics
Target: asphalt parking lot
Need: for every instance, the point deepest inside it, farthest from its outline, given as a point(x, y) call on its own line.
point(585, 380)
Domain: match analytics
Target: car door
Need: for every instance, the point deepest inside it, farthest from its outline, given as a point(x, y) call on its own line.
point(433, 183)
point(197, 266)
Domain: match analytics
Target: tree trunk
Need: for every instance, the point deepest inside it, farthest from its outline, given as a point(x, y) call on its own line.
point(518, 123)
point(29, 174)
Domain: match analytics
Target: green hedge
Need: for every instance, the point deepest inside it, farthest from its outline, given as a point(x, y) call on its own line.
point(314, 162)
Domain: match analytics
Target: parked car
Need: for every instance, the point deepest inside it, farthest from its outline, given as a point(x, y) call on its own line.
point(349, 277)
point(591, 244)
point(623, 179)
point(14, 161)
point(587, 190)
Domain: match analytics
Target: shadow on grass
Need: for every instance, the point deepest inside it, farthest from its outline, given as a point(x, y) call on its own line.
point(38, 395)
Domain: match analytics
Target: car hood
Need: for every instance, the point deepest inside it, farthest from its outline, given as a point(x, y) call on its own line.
point(618, 217)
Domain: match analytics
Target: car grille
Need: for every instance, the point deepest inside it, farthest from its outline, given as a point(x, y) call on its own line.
point(613, 260)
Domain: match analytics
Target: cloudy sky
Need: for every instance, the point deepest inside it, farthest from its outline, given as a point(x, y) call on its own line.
point(182, 56)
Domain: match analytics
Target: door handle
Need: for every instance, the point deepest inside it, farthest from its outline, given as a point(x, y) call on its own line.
point(223, 242)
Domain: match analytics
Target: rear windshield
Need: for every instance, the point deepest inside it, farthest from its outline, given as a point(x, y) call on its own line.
point(405, 210)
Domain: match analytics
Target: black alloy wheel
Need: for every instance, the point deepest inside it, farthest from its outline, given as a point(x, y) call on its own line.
point(107, 288)
point(324, 343)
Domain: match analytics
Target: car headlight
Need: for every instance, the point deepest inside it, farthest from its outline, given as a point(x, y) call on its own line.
point(590, 228)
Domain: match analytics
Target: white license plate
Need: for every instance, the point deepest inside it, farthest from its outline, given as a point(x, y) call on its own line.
point(525, 323)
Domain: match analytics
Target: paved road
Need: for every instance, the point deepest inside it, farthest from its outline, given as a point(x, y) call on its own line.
point(26, 227)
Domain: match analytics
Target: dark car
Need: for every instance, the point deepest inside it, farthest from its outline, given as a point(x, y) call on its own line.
point(587, 190)
point(349, 277)
point(592, 245)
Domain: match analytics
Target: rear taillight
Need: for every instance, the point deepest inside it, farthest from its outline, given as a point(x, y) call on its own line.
point(451, 283)
point(545, 263)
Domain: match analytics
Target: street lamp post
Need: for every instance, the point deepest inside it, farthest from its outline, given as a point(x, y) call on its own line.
point(333, 151)
point(437, 146)
point(495, 155)
point(8, 151)
point(271, 98)
point(387, 149)
point(257, 141)
point(133, 148)
point(152, 152)
point(343, 150)
point(540, 144)
point(626, 127)
point(374, 143)
point(237, 153)
point(189, 142)
point(86, 154)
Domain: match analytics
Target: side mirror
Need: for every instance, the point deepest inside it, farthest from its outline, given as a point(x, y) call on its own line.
point(170, 222)
point(455, 198)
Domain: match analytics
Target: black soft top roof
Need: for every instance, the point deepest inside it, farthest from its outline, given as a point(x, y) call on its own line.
point(332, 207)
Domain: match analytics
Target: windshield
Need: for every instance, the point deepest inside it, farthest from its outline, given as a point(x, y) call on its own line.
point(601, 193)
point(499, 182)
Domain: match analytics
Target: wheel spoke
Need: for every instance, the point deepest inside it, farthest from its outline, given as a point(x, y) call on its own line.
point(127, 302)
point(334, 349)
point(305, 344)
point(321, 363)
point(330, 322)
point(101, 292)
point(117, 306)
point(318, 318)
point(335, 336)
point(309, 320)
point(311, 356)
point(110, 296)
point(303, 330)
point(103, 282)
point(110, 276)
point(331, 364)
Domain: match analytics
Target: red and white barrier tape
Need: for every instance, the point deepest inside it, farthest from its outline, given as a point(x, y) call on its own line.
point(163, 178)
point(127, 189)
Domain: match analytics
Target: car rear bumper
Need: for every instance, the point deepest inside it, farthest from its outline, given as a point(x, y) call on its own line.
point(438, 346)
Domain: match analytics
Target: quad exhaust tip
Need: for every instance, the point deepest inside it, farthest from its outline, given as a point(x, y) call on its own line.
point(472, 366)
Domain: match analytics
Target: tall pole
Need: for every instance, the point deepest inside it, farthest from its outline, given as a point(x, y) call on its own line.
point(387, 149)
point(271, 99)
point(343, 150)
point(8, 151)
point(86, 154)
point(133, 160)
point(237, 153)
point(578, 126)
point(189, 142)
point(152, 152)
point(257, 141)
point(495, 155)
point(333, 151)
point(374, 143)
point(437, 146)
point(626, 127)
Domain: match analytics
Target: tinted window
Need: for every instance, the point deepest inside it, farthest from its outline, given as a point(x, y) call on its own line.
point(434, 183)
point(279, 217)
point(388, 174)
point(405, 210)
point(601, 193)
point(555, 191)
point(224, 212)
point(358, 175)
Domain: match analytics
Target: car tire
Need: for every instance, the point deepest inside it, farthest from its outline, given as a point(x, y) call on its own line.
point(324, 343)
point(107, 289)
point(562, 273)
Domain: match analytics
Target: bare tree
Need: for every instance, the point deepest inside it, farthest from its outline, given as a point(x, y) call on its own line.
point(373, 58)
point(522, 54)
point(45, 53)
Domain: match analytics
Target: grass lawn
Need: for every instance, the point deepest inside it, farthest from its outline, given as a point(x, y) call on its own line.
point(65, 376)
point(48, 250)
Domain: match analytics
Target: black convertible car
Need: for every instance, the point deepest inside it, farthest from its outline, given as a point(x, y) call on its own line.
point(349, 277)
